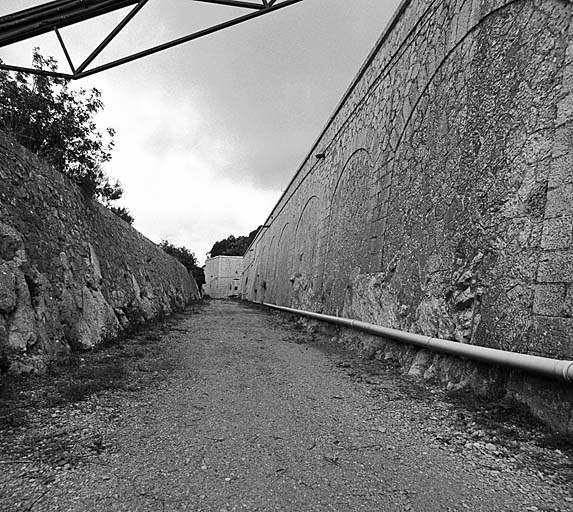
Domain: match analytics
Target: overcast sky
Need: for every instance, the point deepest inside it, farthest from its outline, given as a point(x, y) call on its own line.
point(208, 134)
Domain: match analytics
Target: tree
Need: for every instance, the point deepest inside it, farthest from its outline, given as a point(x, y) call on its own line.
point(187, 258)
point(233, 246)
point(57, 123)
point(122, 213)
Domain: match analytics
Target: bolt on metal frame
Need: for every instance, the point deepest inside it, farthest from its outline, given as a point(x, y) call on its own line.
point(54, 15)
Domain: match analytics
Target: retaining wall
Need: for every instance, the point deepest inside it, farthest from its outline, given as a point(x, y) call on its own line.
point(72, 274)
point(223, 276)
point(443, 203)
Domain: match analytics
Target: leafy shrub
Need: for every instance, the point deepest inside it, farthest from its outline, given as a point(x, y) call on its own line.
point(187, 258)
point(57, 123)
point(233, 246)
point(122, 213)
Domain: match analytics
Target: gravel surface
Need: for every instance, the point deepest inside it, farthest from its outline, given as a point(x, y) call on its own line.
point(229, 407)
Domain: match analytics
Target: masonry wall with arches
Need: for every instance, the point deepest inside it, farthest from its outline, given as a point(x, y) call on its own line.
point(443, 202)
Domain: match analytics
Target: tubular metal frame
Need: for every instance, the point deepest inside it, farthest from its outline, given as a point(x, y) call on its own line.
point(57, 14)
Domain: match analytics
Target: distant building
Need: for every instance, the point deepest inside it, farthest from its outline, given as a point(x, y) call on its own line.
point(223, 276)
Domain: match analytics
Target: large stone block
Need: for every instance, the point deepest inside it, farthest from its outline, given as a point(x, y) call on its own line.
point(7, 289)
point(557, 233)
point(556, 267)
point(559, 201)
point(548, 299)
point(561, 168)
point(552, 337)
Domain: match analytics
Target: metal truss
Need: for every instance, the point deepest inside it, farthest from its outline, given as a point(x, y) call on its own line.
point(54, 15)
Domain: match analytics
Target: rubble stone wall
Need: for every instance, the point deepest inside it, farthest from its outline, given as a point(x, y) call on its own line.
point(443, 203)
point(72, 274)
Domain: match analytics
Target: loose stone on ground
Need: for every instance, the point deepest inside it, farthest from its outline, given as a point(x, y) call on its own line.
point(234, 408)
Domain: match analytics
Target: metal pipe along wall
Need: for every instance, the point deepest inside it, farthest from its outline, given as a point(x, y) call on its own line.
point(553, 368)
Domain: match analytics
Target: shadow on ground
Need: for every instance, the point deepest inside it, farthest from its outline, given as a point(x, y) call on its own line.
point(475, 420)
point(34, 408)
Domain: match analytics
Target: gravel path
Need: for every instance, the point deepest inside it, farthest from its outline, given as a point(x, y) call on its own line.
point(240, 410)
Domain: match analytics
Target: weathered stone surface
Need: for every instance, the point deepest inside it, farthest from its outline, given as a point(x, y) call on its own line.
point(370, 299)
point(421, 363)
point(556, 267)
point(557, 233)
point(549, 299)
point(3, 336)
point(443, 203)
point(11, 243)
point(548, 399)
point(97, 321)
point(551, 337)
point(22, 329)
point(7, 289)
point(559, 200)
point(72, 274)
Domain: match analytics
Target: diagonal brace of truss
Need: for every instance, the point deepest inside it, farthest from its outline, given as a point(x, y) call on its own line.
point(62, 13)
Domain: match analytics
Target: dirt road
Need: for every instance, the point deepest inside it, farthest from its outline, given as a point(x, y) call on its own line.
point(237, 409)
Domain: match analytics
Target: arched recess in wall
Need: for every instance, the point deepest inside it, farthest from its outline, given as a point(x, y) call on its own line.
point(247, 281)
point(306, 239)
point(260, 272)
point(469, 182)
point(281, 283)
point(348, 227)
point(451, 53)
point(270, 266)
point(252, 261)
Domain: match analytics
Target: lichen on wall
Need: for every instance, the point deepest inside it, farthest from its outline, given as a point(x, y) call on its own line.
point(72, 274)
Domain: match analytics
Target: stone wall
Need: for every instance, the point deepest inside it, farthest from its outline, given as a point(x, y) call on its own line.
point(223, 276)
point(72, 274)
point(443, 203)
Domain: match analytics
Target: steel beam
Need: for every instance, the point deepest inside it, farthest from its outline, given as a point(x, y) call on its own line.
point(65, 50)
point(186, 39)
point(60, 13)
point(235, 3)
point(111, 36)
point(57, 14)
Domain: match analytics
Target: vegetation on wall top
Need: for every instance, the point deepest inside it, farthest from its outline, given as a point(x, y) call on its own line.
point(57, 123)
point(187, 258)
point(233, 246)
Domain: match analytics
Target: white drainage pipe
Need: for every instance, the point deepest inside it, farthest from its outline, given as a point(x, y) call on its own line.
point(553, 368)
